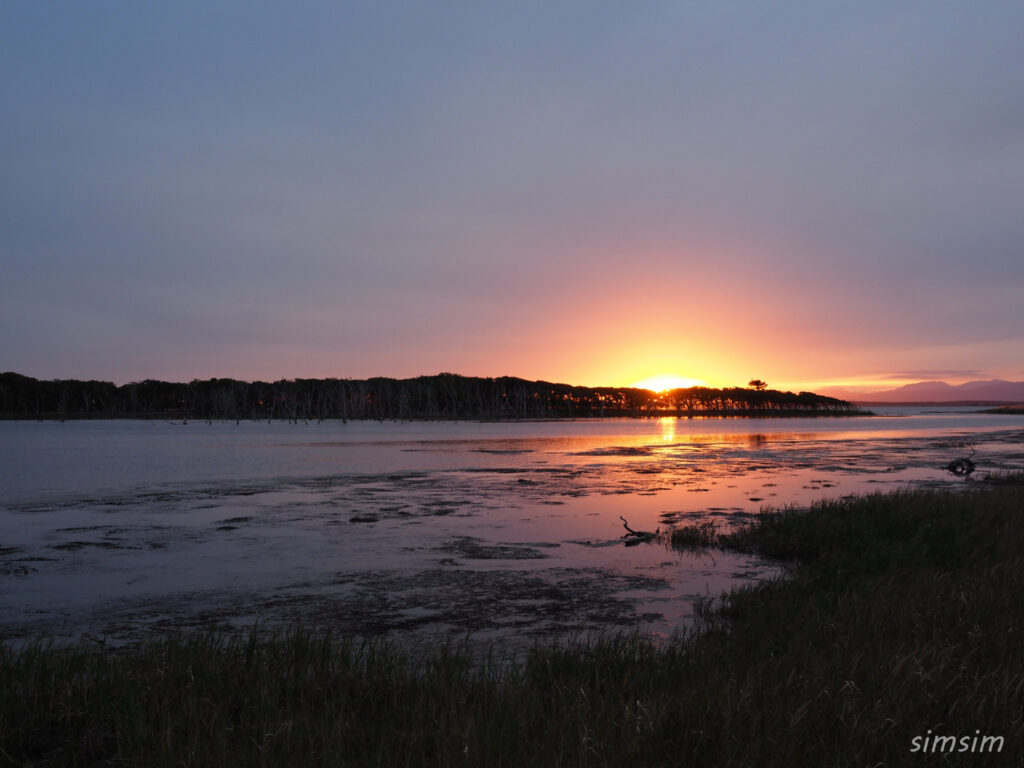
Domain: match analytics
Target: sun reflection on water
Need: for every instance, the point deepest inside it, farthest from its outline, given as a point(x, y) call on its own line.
point(668, 428)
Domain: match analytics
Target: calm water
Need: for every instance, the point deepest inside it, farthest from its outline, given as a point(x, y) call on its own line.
point(505, 531)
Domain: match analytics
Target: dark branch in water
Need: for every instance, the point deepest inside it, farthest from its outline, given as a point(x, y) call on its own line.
point(637, 537)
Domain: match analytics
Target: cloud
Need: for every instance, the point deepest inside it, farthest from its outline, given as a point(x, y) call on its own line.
point(387, 183)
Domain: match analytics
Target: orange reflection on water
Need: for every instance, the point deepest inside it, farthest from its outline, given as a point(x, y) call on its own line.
point(668, 428)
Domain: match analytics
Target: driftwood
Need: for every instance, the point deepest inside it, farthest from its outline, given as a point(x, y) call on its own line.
point(637, 537)
point(962, 467)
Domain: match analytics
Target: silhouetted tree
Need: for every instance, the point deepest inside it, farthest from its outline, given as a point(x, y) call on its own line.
point(444, 396)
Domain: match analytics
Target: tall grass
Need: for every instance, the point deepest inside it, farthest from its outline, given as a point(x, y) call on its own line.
point(694, 535)
point(900, 613)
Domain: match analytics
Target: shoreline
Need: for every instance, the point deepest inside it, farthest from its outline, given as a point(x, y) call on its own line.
point(179, 419)
point(896, 610)
point(445, 395)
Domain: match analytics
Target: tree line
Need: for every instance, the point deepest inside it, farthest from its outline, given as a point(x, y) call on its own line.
point(444, 396)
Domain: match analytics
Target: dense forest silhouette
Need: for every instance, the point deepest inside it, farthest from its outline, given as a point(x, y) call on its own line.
point(444, 396)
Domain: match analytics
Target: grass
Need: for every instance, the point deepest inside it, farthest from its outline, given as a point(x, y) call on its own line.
point(1010, 409)
point(694, 535)
point(900, 613)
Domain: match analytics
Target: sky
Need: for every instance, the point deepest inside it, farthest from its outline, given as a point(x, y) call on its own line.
point(813, 194)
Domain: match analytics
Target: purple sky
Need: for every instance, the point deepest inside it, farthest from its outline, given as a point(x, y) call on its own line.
point(813, 194)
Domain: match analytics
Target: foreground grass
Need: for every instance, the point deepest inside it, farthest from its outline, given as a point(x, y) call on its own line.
point(901, 613)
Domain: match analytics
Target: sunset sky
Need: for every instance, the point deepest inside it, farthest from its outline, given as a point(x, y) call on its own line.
point(809, 193)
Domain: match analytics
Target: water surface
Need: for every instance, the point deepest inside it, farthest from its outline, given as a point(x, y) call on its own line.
point(507, 531)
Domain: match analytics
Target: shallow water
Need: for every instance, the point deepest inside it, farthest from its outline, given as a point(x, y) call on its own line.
point(506, 531)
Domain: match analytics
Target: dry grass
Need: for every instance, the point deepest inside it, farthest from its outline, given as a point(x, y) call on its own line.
point(901, 613)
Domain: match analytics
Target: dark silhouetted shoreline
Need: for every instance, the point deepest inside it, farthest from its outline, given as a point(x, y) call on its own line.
point(440, 397)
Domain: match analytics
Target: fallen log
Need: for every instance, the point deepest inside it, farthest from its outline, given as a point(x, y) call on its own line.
point(637, 537)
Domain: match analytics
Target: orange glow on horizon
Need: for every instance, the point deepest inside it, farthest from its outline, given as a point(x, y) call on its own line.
point(666, 381)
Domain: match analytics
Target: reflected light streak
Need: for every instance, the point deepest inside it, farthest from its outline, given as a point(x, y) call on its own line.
point(668, 428)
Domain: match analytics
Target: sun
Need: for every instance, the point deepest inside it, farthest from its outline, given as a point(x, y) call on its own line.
point(666, 381)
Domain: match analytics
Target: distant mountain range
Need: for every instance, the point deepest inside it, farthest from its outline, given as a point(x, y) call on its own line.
point(992, 391)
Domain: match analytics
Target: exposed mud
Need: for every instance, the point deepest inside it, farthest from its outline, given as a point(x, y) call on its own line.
point(472, 548)
point(503, 539)
point(432, 603)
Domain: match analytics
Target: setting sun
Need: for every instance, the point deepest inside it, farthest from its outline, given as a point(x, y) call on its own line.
point(667, 381)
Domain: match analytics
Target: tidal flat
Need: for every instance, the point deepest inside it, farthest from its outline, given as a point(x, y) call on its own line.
point(507, 533)
point(898, 616)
